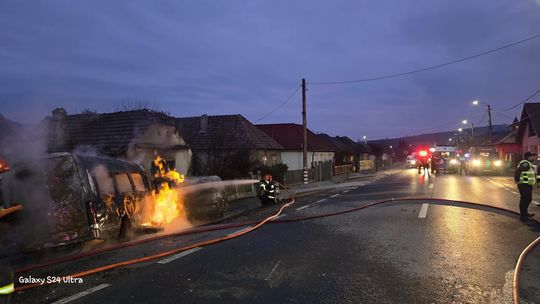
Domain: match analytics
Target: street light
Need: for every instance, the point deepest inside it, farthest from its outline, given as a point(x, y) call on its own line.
point(472, 128)
point(365, 139)
point(460, 129)
point(477, 102)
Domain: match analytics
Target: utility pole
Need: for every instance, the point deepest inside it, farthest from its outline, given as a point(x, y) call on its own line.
point(490, 126)
point(304, 127)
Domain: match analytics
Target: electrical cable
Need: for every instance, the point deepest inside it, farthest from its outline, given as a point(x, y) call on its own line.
point(279, 106)
point(522, 102)
point(436, 66)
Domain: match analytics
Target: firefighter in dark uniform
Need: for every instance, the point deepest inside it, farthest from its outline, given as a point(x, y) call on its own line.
point(267, 190)
point(526, 177)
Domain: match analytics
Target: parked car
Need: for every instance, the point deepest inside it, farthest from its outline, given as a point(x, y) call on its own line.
point(411, 161)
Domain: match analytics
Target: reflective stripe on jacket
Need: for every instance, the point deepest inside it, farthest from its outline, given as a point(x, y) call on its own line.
point(527, 177)
point(4, 290)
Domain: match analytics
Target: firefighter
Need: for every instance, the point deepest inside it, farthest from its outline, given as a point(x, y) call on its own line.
point(6, 273)
point(267, 190)
point(526, 177)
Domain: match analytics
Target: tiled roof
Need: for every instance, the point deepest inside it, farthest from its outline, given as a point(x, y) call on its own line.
point(531, 112)
point(110, 132)
point(224, 132)
point(508, 138)
point(290, 136)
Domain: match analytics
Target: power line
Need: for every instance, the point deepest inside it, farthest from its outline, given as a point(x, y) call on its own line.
point(436, 66)
point(279, 106)
point(524, 101)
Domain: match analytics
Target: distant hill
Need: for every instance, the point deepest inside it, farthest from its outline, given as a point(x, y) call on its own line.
point(481, 134)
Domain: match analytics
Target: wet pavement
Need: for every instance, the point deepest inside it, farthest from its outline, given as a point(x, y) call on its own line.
point(402, 251)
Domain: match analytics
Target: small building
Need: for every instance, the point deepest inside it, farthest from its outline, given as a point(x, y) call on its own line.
point(227, 145)
point(529, 128)
point(137, 135)
point(290, 137)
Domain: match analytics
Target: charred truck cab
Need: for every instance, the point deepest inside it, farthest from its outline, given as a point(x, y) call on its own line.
point(72, 198)
point(75, 198)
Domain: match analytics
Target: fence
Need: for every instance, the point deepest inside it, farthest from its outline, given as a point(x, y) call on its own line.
point(321, 172)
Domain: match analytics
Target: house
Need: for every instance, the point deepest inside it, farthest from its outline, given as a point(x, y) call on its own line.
point(290, 137)
point(343, 153)
point(508, 148)
point(529, 128)
point(227, 145)
point(137, 135)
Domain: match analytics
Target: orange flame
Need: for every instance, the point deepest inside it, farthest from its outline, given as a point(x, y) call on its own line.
point(167, 203)
point(166, 207)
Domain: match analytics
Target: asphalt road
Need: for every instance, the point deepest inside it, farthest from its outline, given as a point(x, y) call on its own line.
point(418, 251)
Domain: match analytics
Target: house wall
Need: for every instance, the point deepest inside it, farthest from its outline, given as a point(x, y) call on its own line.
point(530, 144)
point(160, 139)
point(293, 159)
point(322, 157)
point(269, 157)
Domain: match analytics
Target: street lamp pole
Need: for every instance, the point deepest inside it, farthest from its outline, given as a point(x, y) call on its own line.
point(490, 126)
point(472, 129)
point(477, 102)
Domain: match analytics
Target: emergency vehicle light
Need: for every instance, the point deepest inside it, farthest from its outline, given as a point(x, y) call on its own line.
point(422, 153)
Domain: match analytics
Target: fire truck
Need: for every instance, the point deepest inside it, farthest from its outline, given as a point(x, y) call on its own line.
point(423, 160)
point(484, 160)
point(70, 198)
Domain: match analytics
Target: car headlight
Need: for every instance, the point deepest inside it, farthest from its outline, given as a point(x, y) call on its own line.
point(413, 162)
point(498, 163)
point(476, 162)
point(453, 161)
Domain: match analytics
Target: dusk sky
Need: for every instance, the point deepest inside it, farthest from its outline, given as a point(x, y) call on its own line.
point(190, 58)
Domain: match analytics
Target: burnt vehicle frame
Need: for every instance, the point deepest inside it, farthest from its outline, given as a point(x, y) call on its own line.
point(87, 197)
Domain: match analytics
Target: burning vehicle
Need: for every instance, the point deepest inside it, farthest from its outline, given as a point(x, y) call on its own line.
point(71, 198)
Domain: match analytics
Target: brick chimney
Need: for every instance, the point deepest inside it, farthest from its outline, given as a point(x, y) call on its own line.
point(204, 124)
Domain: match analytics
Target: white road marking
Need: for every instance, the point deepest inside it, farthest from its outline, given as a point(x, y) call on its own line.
point(431, 186)
point(179, 255)
point(423, 210)
point(272, 271)
point(303, 207)
point(320, 201)
point(240, 231)
point(82, 294)
point(334, 195)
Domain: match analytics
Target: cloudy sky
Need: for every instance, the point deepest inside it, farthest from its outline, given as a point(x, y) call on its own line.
point(226, 57)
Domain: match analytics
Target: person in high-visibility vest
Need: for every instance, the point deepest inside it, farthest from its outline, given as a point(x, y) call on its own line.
point(267, 190)
point(526, 177)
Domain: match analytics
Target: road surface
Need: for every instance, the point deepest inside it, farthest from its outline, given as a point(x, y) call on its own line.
point(419, 251)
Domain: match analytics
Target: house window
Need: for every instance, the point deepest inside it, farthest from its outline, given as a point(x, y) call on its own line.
point(171, 164)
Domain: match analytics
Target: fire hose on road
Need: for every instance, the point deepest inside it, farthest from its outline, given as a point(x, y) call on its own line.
point(271, 219)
